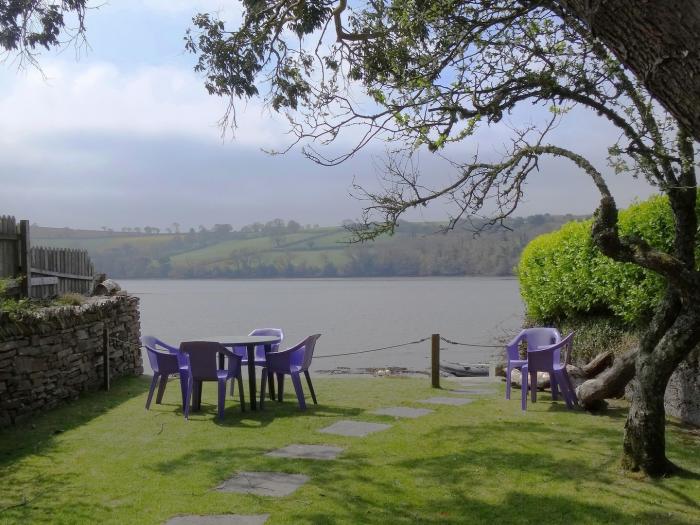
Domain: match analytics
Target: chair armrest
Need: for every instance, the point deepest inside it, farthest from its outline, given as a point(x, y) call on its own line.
point(512, 350)
point(282, 359)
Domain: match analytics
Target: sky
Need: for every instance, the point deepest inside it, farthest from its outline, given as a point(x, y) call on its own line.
point(123, 133)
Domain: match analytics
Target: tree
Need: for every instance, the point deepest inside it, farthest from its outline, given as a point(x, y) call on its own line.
point(29, 25)
point(437, 71)
point(658, 41)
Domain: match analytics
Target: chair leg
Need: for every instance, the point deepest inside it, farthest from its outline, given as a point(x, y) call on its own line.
point(508, 373)
point(280, 387)
point(161, 388)
point(188, 397)
point(271, 383)
point(222, 397)
point(184, 378)
point(533, 386)
point(567, 391)
point(240, 389)
point(553, 383)
point(151, 390)
point(296, 381)
point(311, 387)
point(263, 384)
point(523, 388)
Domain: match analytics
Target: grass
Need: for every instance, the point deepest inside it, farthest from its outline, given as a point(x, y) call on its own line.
point(104, 459)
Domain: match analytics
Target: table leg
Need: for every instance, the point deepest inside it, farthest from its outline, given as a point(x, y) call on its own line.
point(251, 376)
point(197, 394)
point(270, 375)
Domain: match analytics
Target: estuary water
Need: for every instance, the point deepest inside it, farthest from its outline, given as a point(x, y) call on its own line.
point(352, 314)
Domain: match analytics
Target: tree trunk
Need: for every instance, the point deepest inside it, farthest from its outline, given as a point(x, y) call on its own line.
point(645, 430)
point(610, 383)
point(657, 40)
point(644, 442)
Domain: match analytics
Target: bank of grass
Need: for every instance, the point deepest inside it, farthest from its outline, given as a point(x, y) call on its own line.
point(104, 459)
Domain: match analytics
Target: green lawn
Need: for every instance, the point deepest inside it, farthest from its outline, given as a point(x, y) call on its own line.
point(104, 459)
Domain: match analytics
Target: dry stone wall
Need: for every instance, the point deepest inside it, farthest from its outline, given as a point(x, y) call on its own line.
point(52, 355)
point(682, 398)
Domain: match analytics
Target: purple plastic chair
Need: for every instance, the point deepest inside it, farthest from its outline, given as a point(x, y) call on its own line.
point(535, 338)
point(260, 359)
point(548, 359)
point(292, 361)
point(165, 361)
point(203, 366)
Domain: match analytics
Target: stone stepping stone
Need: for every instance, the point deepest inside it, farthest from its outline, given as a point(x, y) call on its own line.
point(324, 452)
point(354, 428)
point(276, 484)
point(222, 519)
point(403, 412)
point(455, 401)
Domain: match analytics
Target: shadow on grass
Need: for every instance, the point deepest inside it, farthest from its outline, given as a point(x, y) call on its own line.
point(37, 434)
point(493, 455)
point(38, 437)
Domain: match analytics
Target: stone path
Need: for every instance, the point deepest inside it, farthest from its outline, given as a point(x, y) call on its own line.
point(354, 428)
point(323, 452)
point(403, 412)
point(454, 401)
point(222, 519)
point(276, 484)
point(279, 484)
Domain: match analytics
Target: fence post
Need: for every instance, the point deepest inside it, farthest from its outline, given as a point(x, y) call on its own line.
point(435, 360)
point(25, 260)
point(105, 357)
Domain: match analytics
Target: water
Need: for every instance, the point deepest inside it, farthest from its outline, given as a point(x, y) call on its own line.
point(352, 314)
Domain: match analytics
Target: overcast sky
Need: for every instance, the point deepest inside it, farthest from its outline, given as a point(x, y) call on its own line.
point(126, 135)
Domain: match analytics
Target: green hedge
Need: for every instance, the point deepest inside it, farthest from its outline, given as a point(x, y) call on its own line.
point(563, 275)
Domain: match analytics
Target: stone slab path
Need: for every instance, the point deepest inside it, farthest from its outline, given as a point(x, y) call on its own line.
point(354, 428)
point(222, 519)
point(276, 484)
point(403, 412)
point(454, 401)
point(322, 452)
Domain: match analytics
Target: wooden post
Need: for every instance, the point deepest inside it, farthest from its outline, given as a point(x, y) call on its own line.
point(25, 260)
point(105, 357)
point(435, 360)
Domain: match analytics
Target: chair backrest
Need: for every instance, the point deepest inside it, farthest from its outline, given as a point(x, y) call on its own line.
point(150, 341)
point(566, 344)
point(537, 337)
point(274, 332)
point(309, 345)
point(203, 358)
point(161, 362)
point(534, 337)
point(544, 358)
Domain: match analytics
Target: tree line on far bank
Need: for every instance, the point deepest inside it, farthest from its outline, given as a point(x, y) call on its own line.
point(286, 249)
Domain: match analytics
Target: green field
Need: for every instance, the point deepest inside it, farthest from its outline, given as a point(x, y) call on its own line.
point(104, 459)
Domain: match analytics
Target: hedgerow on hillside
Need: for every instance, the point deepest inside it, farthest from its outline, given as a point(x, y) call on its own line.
point(563, 275)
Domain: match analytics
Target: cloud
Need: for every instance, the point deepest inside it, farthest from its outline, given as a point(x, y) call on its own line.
point(100, 97)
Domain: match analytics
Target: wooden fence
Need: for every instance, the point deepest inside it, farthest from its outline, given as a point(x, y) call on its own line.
point(9, 247)
point(49, 271)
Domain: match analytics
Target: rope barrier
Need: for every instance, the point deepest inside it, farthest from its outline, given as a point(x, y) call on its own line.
point(409, 343)
point(374, 349)
point(449, 341)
